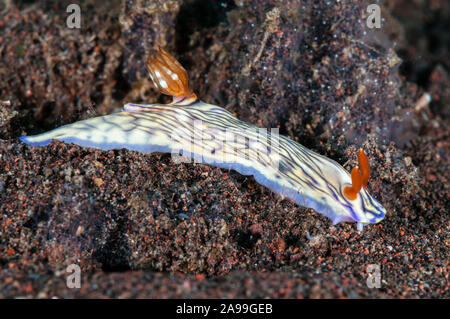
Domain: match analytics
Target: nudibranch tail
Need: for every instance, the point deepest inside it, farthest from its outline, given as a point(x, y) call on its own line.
point(168, 75)
point(360, 177)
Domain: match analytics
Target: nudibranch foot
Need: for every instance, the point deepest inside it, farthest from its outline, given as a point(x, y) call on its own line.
point(359, 226)
point(29, 140)
point(212, 135)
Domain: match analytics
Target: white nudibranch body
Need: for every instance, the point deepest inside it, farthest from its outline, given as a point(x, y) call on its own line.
point(212, 135)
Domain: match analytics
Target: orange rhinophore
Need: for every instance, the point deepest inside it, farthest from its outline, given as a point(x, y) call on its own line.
point(168, 75)
point(360, 177)
point(364, 167)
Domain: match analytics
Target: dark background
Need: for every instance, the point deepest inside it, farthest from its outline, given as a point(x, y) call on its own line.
point(142, 226)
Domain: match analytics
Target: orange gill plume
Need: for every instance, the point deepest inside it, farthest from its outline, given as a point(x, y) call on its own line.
point(168, 75)
point(360, 177)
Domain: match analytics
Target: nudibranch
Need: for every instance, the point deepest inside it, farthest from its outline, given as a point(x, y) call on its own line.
point(212, 135)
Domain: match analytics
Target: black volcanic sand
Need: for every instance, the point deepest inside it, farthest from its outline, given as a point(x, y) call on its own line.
point(140, 225)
